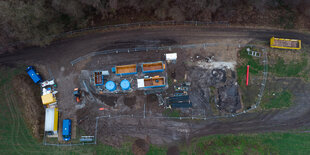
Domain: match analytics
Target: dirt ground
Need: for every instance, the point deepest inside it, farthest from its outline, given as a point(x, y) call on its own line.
point(115, 130)
point(193, 65)
point(140, 147)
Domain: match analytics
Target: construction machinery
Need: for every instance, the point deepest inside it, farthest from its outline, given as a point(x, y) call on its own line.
point(77, 94)
point(285, 43)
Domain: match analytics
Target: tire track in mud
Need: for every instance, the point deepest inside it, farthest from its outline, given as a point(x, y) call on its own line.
point(14, 118)
point(16, 131)
point(26, 146)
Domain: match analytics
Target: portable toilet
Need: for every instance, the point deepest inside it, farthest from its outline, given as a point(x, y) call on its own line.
point(110, 85)
point(125, 84)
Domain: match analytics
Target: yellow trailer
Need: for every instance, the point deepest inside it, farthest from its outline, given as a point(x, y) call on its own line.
point(285, 43)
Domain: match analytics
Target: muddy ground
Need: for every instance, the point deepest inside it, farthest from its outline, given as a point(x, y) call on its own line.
point(30, 103)
point(115, 130)
point(202, 67)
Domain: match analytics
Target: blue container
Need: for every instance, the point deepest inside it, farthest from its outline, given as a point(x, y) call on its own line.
point(125, 84)
point(34, 75)
point(66, 129)
point(113, 69)
point(110, 85)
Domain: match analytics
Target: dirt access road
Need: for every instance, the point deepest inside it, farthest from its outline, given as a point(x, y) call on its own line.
point(58, 55)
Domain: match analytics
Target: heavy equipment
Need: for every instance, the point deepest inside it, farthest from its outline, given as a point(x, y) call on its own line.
point(77, 94)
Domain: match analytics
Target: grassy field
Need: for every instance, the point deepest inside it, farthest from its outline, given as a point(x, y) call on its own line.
point(255, 66)
point(291, 69)
point(281, 99)
point(283, 63)
point(249, 93)
point(171, 113)
point(270, 143)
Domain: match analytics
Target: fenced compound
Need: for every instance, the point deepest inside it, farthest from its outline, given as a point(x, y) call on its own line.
point(187, 46)
point(202, 117)
point(147, 49)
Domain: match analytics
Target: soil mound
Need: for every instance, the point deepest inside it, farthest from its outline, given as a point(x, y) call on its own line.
point(140, 147)
point(30, 103)
point(173, 150)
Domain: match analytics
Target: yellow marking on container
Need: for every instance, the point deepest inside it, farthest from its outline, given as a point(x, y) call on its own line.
point(56, 119)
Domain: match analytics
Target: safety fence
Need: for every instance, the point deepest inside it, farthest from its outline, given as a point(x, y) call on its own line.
point(186, 46)
point(67, 144)
point(153, 48)
point(147, 24)
point(142, 49)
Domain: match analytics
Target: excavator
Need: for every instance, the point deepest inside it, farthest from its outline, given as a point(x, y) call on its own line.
point(77, 94)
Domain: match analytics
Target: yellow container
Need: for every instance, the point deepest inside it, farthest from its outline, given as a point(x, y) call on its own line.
point(48, 99)
point(285, 43)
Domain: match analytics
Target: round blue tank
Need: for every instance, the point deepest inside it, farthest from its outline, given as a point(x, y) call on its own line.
point(110, 85)
point(125, 84)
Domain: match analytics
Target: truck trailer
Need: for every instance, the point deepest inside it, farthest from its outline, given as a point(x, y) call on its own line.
point(285, 43)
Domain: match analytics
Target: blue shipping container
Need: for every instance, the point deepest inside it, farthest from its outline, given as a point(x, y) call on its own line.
point(34, 76)
point(66, 129)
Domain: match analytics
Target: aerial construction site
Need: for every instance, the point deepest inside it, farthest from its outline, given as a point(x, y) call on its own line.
point(123, 94)
point(164, 90)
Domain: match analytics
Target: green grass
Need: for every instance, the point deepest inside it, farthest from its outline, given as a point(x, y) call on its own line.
point(255, 66)
point(171, 113)
point(291, 69)
point(280, 68)
point(269, 143)
point(277, 100)
point(155, 150)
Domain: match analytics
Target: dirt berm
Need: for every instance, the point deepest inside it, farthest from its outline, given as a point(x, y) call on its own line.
point(29, 103)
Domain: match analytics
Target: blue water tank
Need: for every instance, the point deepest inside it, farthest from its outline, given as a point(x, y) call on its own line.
point(110, 85)
point(125, 84)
